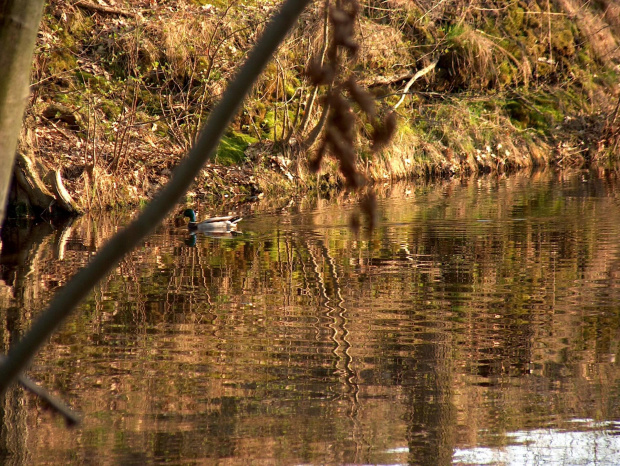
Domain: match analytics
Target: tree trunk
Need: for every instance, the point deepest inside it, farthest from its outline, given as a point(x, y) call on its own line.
point(19, 22)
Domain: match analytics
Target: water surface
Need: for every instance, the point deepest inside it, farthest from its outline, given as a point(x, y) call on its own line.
point(478, 324)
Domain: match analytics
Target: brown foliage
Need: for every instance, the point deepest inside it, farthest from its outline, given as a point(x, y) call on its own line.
point(339, 137)
point(343, 93)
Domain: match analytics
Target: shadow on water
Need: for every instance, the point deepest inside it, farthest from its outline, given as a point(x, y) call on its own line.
point(480, 322)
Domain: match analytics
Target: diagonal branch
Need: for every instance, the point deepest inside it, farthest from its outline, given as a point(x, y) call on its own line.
point(71, 417)
point(80, 285)
point(108, 10)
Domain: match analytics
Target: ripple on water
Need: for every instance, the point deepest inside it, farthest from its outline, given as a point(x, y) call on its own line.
point(477, 319)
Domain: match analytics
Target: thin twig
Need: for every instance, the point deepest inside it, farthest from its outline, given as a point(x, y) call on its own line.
point(71, 417)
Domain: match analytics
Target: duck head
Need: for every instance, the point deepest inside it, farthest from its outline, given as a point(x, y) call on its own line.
point(191, 214)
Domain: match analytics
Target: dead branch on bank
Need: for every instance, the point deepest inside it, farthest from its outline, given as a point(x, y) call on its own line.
point(31, 190)
point(29, 181)
point(415, 77)
point(107, 10)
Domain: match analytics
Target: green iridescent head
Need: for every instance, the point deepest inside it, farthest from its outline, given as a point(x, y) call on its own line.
point(191, 214)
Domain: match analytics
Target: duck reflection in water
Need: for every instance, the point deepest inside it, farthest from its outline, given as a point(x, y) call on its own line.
point(191, 239)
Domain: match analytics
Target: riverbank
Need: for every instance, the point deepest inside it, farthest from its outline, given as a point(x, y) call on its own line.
point(119, 92)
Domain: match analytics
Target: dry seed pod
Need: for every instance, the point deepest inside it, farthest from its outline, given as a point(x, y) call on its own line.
point(361, 97)
point(382, 132)
point(339, 16)
point(339, 135)
point(319, 75)
point(344, 25)
point(314, 164)
point(368, 205)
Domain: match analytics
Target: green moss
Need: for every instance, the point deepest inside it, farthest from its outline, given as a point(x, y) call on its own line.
point(61, 61)
point(163, 129)
point(66, 40)
point(110, 109)
point(62, 98)
point(514, 20)
point(267, 124)
point(607, 77)
point(149, 102)
point(541, 113)
point(544, 70)
point(534, 16)
point(454, 31)
point(518, 113)
point(232, 148)
point(584, 57)
point(506, 74)
point(532, 43)
point(88, 80)
point(261, 110)
point(564, 42)
point(202, 65)
point(80, 26)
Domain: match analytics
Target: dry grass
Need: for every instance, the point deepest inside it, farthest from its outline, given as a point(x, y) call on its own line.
point(476, 60)
point(142, 86)
point(595, 27)
point(382, 48)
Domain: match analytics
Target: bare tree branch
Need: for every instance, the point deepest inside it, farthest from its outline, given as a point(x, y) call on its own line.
point(80, 285)
point(105, 9)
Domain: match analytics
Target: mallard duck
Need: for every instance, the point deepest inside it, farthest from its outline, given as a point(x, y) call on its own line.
point(215, 224)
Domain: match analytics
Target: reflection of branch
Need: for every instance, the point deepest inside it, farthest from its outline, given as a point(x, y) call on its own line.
point(337, 315)
point(203, 267)
point(80, 285)
point(341, 321)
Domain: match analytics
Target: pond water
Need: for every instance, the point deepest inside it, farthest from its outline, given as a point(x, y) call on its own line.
point(479, 323)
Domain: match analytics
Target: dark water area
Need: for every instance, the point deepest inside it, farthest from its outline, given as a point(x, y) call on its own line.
point(478, 324)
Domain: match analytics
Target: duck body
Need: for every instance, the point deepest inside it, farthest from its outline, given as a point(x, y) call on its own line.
point(215, 224)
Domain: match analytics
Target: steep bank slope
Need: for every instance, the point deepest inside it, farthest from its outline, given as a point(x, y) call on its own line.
point(120, 90)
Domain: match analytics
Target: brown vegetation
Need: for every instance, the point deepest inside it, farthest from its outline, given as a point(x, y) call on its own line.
point(119, 93)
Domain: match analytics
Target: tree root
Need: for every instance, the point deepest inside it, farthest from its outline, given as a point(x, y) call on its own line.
point(31, 196)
